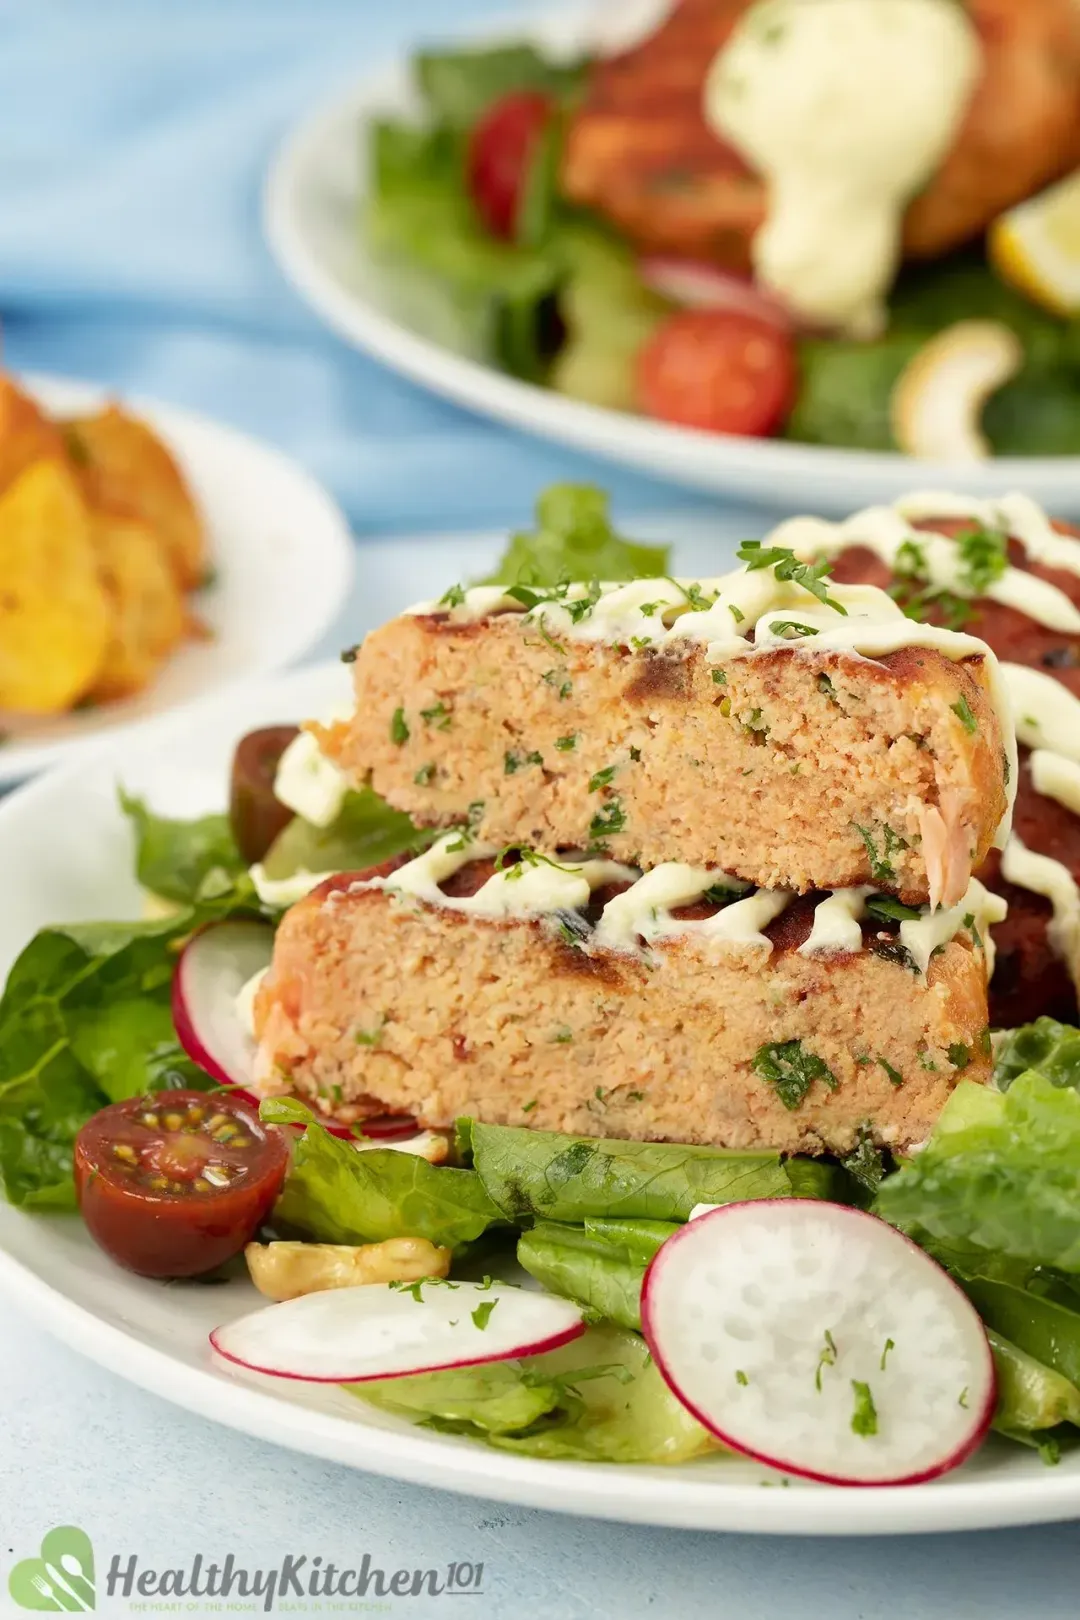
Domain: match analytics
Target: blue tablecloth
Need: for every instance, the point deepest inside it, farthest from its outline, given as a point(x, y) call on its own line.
point(133, 138)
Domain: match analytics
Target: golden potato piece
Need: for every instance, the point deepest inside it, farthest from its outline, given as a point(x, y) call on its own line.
point(26, 434)
point(124, 467)
point(150, 617)
point(55, 619)
point(287, 1270)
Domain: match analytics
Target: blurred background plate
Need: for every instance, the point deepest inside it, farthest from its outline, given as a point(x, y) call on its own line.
point(282, 559)
point(311, 210)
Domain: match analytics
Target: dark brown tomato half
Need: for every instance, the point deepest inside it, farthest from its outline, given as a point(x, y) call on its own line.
point(255, 815)
point(175, 1184)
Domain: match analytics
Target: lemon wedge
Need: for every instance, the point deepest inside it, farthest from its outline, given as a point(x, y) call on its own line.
point(1036, 246)
point(937, 400)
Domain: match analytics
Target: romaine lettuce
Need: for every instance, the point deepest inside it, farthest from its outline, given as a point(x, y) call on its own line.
point(574, 540)
point(1051, 1048)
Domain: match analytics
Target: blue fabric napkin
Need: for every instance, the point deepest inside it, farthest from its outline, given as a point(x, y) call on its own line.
point(135, 136)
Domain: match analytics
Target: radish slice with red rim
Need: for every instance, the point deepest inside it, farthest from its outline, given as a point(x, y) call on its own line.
point(696, 285)
point(383, 1330)
point(214, 967)
point(821, 1341)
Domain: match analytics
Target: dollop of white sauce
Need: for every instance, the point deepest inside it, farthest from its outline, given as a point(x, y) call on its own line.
point(921, 936)
point(282, 892)
point(308, 783)
point(1056, 777)
point(1047, 714)
point(846, 108)
point(1043, 875)
point(245, 1002)
point(644, 910)
point(837, 920)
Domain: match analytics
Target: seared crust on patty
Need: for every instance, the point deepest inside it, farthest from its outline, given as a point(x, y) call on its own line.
point(377, 1004)
point(784, 767)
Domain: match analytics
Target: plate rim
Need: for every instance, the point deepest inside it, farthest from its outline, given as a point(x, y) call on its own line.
point(20, 760)
point(590, 1490)
point(617, 436)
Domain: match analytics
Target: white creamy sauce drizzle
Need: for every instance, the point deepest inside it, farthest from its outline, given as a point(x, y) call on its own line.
point(281, 892)
point(644, 912)
point(1047, 714)
point(846, 108)
point(921, 936)
point(1055, 882)
point(1056, 777)
point(308, 783)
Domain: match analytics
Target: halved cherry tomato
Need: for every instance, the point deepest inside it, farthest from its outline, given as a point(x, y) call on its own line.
point(719, 370)
point(255, 815)
point(501, 147)
point(175, 1184)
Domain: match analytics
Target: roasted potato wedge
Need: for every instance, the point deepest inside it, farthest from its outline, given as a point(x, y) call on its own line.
point(55, 616)
point(150, 617)
point(287, 1270)
point(124, 467)
point(26, 434)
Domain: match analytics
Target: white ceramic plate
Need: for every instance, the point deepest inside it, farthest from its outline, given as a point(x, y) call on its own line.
point(311, 215)
point(65, 855)
point(283, 562)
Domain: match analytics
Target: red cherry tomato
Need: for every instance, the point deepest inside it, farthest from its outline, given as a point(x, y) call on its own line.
point(500, 150)
point(174, 1185)
point(720, 370)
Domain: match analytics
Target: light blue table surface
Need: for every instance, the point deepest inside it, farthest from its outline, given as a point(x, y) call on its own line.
point(133, 138)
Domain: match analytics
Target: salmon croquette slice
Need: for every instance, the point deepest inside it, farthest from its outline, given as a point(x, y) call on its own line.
point(579, 997)
point(741, 722)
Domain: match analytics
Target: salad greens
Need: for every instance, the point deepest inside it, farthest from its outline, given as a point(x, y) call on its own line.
point(365, 832)
point(599, 1399)
point(1051, 1048)
point(574, 540)
point(600, 1264)
point(184, 861)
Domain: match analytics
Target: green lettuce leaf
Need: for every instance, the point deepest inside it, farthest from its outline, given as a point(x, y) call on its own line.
point(548, 1176)
point(365, 833)
point(334, 1194)
point(1047, 1046)
point(457, 87)
point(1000, 1174)
point(574, 540)
point(184, 861)
point(600, 1264)
point(599, 1399)
point(84, 1020)
point(1031, 1396)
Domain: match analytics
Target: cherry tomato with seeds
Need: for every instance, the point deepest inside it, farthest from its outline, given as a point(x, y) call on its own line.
point(255, 815)
point(719, 370)
point(501, 149)
point(173, 1185)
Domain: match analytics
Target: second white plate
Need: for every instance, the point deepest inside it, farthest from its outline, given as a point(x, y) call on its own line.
point(282, 558)
point(311, 211)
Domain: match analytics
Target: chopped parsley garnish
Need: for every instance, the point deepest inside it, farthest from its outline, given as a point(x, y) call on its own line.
point(563, 1036)
point(736, 613)
point(565, 744)
point(756, 724)
point(881, 867)
point(984, 557)
point(865, 1164)
point(786, 566)
point(371, 1037)
point(826, 687)
point(962, 710)
point(399, 730)
point(719, 677)
point(635, 753)
point(959, 1055)
point(926, 1061)
point(635, 1096)
point(527, 1108)
point(909, 573)
point(425, 775)
point(560, 680)
point(438, 716)
point(576, 607)
point(790, 628)
point(350, 654)
point(696, 599)
point(864, 1417)
point(454, 597)
point(791, 1070)
point(963, 1398)
point(482, 1314)
point(610, 818)
point(720, 894)
point(413, 1288)
point(895, 1077)
point(740, 1377)
point(890, 1344)
point(969, 924)
point(517, 759)
point(890, 910)
point(827, 1358)
point(602, 779)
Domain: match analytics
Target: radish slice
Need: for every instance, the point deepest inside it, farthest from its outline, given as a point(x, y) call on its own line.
point(348, 1335)
point(696, 285)
point(214, 967)
point(819, 1340)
